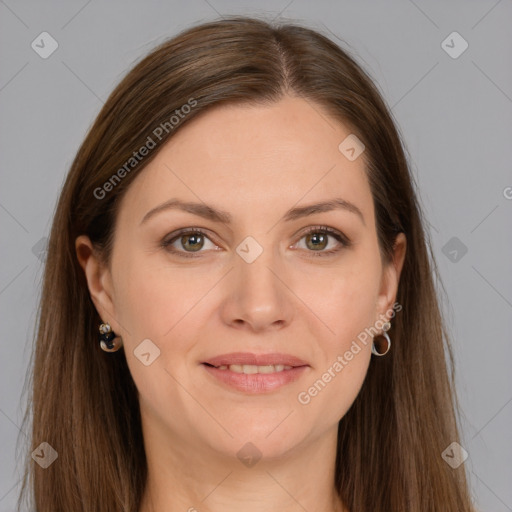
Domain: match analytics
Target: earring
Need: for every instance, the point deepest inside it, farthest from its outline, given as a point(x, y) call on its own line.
point(385, 335)
point(109, 342)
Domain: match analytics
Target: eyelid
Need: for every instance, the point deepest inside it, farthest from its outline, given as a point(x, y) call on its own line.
point(327, 229)
point(185, 231)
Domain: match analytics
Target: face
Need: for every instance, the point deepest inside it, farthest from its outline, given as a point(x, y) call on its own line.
point(246, 268)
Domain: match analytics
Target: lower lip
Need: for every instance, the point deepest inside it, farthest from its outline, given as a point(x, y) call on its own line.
point(256, 382)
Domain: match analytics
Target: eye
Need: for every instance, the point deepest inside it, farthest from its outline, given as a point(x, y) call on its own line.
point(189, 241)
point(317, 239)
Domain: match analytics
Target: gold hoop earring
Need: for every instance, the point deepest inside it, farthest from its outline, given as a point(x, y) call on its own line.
point(385, 335)
point(109, 342)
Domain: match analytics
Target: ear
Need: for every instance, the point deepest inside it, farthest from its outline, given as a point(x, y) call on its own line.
point(99, 281)
point(391, 277)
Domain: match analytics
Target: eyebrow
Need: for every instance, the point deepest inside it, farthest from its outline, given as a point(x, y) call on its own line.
point(223, 217)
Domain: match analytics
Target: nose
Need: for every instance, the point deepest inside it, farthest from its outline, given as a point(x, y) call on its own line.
point(257, 297)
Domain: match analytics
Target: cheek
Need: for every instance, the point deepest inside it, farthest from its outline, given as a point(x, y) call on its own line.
point(161, 303)
point(344, 298)
point(346, 304)
point(331, 391)
point(347, 307)
point(152, 298)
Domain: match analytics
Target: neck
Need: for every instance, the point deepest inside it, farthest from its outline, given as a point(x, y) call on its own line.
point(185, 476)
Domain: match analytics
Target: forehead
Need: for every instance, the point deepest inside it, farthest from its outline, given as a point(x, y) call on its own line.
point(254, 158)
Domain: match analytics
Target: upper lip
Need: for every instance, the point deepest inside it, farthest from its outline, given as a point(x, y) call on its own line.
point(246, 358)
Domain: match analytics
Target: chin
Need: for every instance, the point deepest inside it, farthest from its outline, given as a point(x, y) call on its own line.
point(266, 439)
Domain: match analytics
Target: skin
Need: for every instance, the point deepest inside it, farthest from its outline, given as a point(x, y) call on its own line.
point(255, 163)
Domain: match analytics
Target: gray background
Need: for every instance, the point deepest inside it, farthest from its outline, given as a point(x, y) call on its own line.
point(455, 115)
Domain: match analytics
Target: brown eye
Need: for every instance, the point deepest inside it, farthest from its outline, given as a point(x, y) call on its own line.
point(194, 242)
point(318, 238)
point(187, 242)
point(317, 241)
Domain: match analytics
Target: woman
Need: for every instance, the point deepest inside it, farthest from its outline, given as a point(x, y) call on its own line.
point(238, 308)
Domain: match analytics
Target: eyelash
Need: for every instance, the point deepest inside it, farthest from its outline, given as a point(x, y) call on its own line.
point(343, 240)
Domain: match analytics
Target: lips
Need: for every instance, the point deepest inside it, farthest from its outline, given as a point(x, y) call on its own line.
point(246, 358)
point(243, 378)
point(255, 373)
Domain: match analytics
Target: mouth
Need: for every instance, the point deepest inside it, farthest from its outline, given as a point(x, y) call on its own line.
point(252, 373)
point(259, 360)
point(250, 369)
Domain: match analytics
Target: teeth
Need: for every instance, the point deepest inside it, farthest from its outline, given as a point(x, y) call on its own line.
point(250, 368)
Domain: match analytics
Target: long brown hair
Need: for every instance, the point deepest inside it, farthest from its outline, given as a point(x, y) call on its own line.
point(85, 404)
